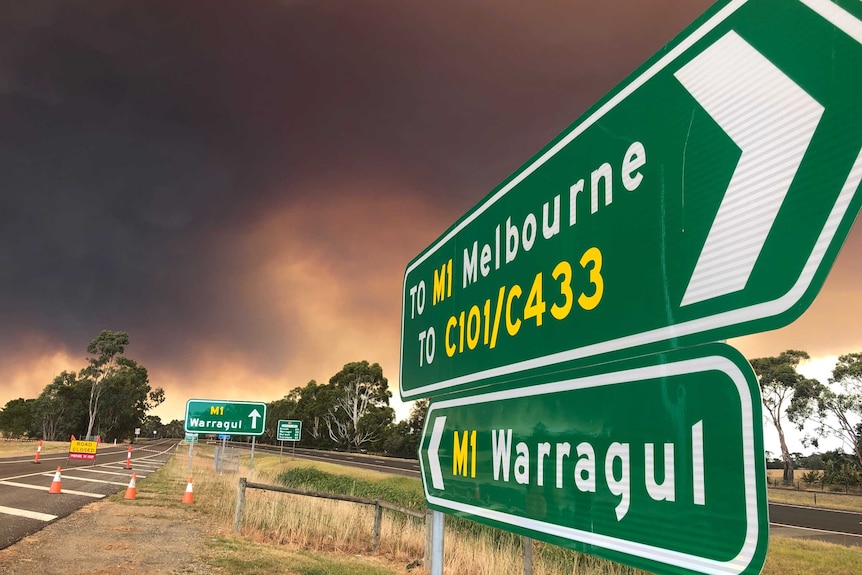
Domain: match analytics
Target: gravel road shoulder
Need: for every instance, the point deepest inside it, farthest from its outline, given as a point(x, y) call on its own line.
point(109, 537)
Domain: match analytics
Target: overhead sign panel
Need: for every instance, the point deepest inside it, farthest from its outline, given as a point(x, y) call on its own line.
point(657, 463)
point(225, 417)
point(704, 198)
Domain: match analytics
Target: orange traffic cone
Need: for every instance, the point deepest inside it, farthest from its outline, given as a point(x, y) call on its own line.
point(189, 496)
point(131, 491)
point(55, 485)
point(129, 458)
point(38, 451)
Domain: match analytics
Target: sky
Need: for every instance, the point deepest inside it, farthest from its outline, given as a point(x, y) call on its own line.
point(240, 185)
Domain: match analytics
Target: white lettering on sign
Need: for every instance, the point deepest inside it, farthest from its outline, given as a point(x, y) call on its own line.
point(214, 424)
point(528, 466)
point(516, 236)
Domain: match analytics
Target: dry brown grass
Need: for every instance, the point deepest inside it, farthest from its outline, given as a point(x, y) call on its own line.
point(28, 448)
point(319, 525)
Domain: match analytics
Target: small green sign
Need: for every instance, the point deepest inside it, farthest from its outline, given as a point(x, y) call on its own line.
point(225, 417)
point(706, 197)
point(289, 430)
point(656, 462)
point(191, 437)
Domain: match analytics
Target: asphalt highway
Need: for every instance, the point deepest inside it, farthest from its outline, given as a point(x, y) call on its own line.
point(25, 504)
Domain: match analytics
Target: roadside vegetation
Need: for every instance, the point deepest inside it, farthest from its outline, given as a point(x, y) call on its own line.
point(322, 536)
point(16, 448)
point(111, 397)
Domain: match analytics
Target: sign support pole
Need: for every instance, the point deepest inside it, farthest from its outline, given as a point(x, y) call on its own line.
point(251, 461)
point(191, 450)
point(220, 460)
point(436, 543)
point(281, 452)
point(527, 544)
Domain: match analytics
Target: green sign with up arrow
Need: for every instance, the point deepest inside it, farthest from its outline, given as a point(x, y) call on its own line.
point(656, 462)
point(225, 417)
point(704, 198)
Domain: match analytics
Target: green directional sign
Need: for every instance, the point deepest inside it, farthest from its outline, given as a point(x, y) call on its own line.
point(289, 430)
point(225, 417)
point(705, 197)
point(656, 463)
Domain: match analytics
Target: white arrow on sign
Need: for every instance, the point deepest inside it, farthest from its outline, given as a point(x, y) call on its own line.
point(772, 120)
point(433, 452)
point(254, 415)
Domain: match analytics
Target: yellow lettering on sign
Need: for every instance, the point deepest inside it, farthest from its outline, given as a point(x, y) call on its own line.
point(461, 450)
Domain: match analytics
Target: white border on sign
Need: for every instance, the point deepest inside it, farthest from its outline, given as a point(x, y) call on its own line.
point(829, 11)
point(260, 404)
point(700, 564)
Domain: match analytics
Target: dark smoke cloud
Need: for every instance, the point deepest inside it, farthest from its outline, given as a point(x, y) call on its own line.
point(239, 185)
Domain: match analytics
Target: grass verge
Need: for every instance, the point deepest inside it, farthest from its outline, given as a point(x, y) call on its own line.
point(10, 448)
point(816, 499)
point(804, 557)
point(305, 536)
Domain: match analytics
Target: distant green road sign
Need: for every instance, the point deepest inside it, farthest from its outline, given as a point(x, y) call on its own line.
point(704, 198)
point(225, 417)
point(289, 430)
point(191, 437)
point(656, 462)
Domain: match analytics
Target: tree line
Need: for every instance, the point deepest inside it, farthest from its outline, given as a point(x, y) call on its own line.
point(820, 409)
point(111, 396)
point(108, 398)
point(351, 413)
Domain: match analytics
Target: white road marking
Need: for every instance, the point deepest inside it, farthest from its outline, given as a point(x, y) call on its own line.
point(816, 530)
point(91, 470)
point(28, 514)
point(43, 488)
point(88, 480)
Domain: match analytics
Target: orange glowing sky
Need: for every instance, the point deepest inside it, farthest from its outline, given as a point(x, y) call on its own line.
point(240, 186)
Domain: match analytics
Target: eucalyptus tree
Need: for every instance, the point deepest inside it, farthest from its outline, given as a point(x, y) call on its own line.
point(360, 410)
point(786, 393)
point(840, 404)
point(105, 349)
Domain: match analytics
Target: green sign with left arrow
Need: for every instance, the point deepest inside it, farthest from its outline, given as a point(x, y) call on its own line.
point(655, 462)
point(231, 417)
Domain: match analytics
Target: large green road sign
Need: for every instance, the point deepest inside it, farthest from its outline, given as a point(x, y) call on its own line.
point(657, 463)
point(225, 417)
point(706, 197)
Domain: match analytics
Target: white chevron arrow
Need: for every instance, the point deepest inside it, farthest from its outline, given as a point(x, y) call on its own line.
point(772, 120)
point(433, 455)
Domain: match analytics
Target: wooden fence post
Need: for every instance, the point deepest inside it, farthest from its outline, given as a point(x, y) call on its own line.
point(240, 505)
point(375, 531)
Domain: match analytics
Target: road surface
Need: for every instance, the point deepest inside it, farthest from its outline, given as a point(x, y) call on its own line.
point(25, 504)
